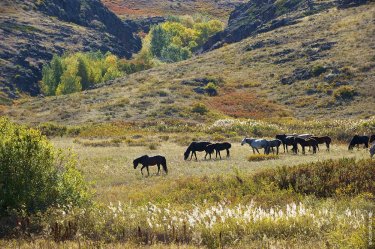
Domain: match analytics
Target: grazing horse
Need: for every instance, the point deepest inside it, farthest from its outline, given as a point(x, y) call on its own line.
point(256, 144)
point(357, 140)
point(217, 147)
point(306, 142)
point(275, 143)
point(194, 147)
point(321, 140)
point(287, 140)
point(372, 138)
point(372, 150)
point(147, 161)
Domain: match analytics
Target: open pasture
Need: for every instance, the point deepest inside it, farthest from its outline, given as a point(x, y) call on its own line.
point(111, 170)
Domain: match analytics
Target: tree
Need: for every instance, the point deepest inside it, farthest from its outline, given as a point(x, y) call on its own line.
point(159, 40)
point(33, 175)
point(174, 53)
point(52, 73)
point(83, 73)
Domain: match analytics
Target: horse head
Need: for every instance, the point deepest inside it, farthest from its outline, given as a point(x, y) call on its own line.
point(135, 163)
point(243, 141)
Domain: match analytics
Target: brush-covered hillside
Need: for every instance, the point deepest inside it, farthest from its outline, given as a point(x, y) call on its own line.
point(130, 9)
point(319, 67)
point(32, 31)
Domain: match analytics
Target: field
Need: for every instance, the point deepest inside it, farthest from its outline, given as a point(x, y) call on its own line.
point(111, 168)
point(230, 203)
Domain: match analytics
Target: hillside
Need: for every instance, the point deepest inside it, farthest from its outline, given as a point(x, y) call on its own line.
point(130, 9)
point(320, 67)
point(33, 31)
point(258, 16)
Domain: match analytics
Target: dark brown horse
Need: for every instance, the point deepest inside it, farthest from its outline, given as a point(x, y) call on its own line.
point(305, 142)
point(147, 161)
point(357, 140)
point(323, 140)
point(217, 147)
point(372, 138)
point(287, 140)
point(193, 148)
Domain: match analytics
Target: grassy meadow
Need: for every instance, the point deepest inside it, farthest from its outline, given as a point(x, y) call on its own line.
point(243, 201)
point(111, 167)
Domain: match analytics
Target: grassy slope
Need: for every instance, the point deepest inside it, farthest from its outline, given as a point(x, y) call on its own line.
point(145, 8)
point(250, 80)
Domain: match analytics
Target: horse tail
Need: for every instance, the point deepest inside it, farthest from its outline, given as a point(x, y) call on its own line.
point(165, 168)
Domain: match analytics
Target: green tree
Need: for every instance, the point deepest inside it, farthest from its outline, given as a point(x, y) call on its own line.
point(159, 40)
point(174, 53)
point(33, 175)
point(83, 73)
point(52, 73)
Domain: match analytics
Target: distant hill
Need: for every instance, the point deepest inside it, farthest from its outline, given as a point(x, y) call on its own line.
point(130, 9)
point(321, 66)
point(258, 16)
point(32, 31)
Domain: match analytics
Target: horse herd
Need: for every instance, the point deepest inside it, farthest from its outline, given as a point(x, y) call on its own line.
point(304, 140)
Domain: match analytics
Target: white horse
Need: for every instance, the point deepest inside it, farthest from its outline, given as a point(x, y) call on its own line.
point(256, 144)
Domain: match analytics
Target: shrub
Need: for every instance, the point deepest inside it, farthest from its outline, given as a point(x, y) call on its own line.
point(211, 89)
point(33, 175)
point(199, 108)
point(318, 70)
point(261, 157)
point(344, 92)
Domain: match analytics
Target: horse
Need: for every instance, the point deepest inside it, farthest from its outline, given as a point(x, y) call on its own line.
point(324, 139)
point(217, 147)
point(372, 138)
point(372, 150)
point(147, 161)
point(275, 143)
point(357, 140)
point(287, 140)
point(194, 147)
point(256, 144)
point(305, 142)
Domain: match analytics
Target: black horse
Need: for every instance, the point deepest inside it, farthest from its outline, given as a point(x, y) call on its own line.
point(357, 140)
point(305, 143)
point(194, 147)
point(372, 138)
point(217, 147)
point(147, 161)
point(287, 140)
point(323, 140)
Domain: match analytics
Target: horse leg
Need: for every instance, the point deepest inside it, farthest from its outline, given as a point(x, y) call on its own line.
point(195, 153)
point(219, 154)
point(142, 169)
point(253, 150)
point(148, 172)
point(228, 153)
point(327, 145)
point(277, 150)
point(158, 169)
point(257, 150)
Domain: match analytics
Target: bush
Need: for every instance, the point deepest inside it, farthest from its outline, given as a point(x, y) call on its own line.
point(261, 157)
point(327, 178)
point(33, 175)
point(200, 108)
point(211, 89)
point(344, 92)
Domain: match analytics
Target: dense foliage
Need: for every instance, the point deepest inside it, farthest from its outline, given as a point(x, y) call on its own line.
point(33, 175)
point(80, 71)
point(175, 40)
